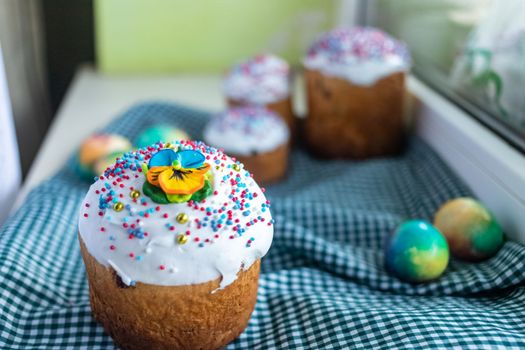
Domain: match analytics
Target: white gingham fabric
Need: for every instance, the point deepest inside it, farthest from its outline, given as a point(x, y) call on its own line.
point(323, 284)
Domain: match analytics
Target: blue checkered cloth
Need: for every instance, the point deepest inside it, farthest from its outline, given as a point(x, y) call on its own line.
point(323, 284)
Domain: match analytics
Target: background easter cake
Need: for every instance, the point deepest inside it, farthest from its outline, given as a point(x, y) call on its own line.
point(355, 93)
point(254, 135)
point(263, 80)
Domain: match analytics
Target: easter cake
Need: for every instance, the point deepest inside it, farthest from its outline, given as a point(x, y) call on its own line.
point(255, 136)
point(172, 236)
point(263, 80)
point(355, 93)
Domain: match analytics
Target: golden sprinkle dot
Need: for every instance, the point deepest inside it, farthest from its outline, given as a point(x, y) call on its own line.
point(218, 167)
point(182, 218)
point(118, 206)
point(182, 238)
point(167, 145)
point(134, 194)
point(236, 167)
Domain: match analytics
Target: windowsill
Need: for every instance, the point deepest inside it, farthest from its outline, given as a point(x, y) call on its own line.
point(487, 164)
point(493, 169)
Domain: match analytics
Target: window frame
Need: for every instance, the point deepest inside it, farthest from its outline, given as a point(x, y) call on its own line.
point(491, 167)
point(367, 15)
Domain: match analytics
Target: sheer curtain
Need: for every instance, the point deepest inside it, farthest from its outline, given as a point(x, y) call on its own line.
point(9, 160)
point(24, 105)
point(22, 40)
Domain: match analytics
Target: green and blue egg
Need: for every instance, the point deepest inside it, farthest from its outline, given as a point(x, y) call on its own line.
point(416, 252)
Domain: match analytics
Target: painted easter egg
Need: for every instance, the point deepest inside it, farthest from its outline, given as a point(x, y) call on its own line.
point(103, 163)
point(96, 147)
point(471, 230)
point(416, 252)
point(160, 132)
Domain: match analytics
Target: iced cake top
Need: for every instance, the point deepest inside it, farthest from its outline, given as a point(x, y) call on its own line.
point(247, 131)
point(260, 80)
point(176, 214)
point(362, 55)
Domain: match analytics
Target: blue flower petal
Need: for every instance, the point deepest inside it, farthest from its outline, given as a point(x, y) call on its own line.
point(191, 159)
point(163, 157)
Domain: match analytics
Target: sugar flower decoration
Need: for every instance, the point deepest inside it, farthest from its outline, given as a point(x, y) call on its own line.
point(177, 173)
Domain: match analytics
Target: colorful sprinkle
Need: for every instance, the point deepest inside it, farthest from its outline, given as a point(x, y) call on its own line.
point(182, 218)
point(182, 238)
point(118, 206)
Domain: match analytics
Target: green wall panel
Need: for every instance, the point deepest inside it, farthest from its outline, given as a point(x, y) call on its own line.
point(203, 36)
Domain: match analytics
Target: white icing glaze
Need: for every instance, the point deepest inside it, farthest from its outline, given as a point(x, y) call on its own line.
point(260, 80)
point(364, 73)
point(158, 258)
point(246, 131)
point(359, 55)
